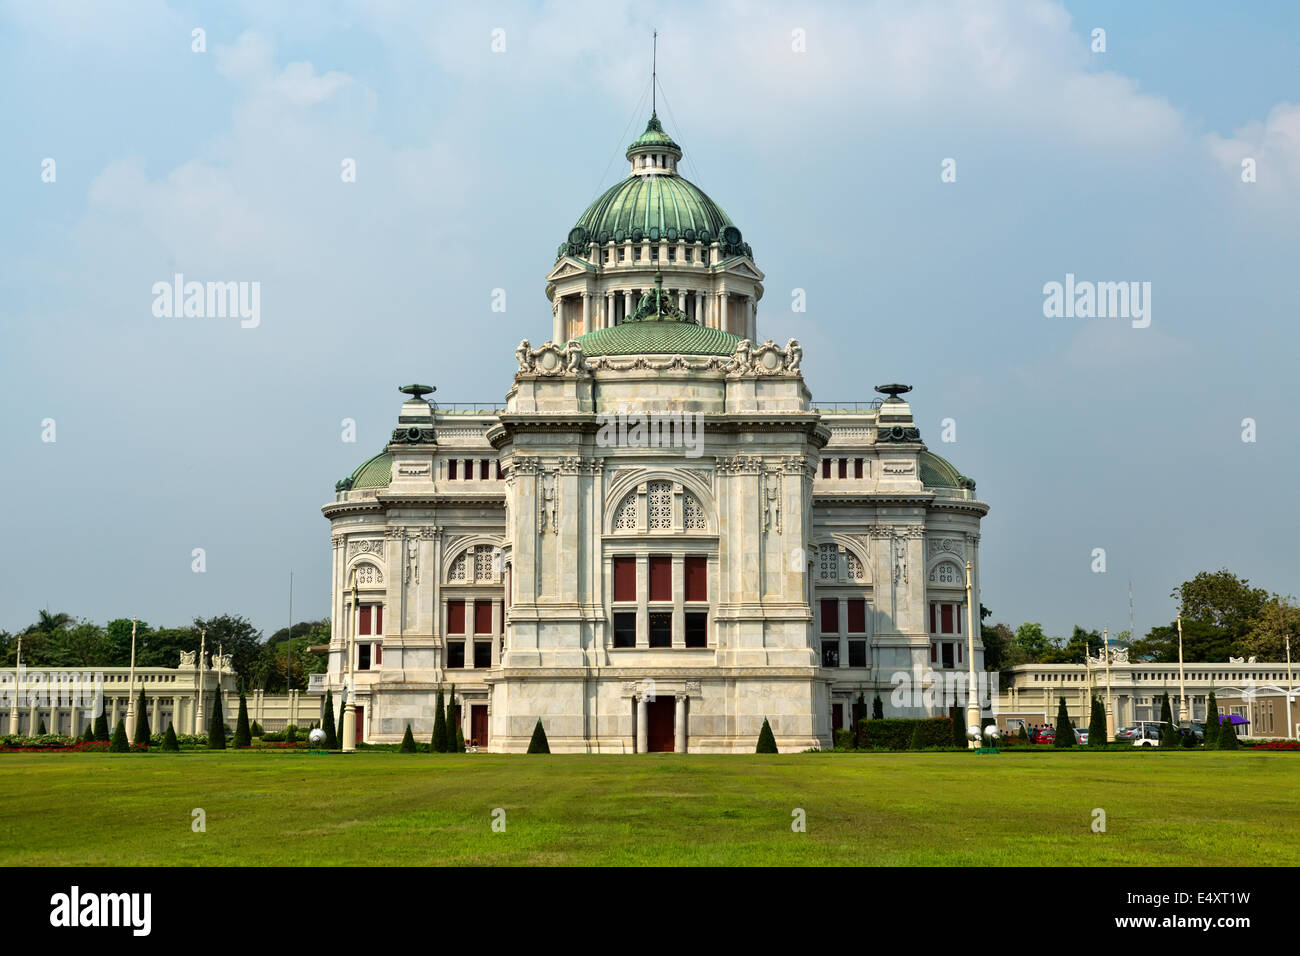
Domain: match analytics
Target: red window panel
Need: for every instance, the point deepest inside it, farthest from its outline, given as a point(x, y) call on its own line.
point(857, 467)
point(697, 579)
point(451, 468)
point(934, 652)
point(482, 617)
point(363, 625)
point(933, 629)
point(946, 615)
point(826, 467)
point(957, 611)
point(483, 467)
point(379, 654)
point(455, 617)
point(661, 578)
point(469, 469)
point(844, 467)
point(858, 616)
point(959, 652)
point(625, 579)
point(830, 616)
point(379, 619)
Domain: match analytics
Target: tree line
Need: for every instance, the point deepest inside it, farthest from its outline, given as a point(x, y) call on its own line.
point(273, 664)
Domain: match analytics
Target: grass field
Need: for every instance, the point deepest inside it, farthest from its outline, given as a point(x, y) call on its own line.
point(875, 809)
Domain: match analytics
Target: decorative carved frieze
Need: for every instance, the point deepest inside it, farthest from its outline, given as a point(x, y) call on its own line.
point(741, 465)
point(550, 359)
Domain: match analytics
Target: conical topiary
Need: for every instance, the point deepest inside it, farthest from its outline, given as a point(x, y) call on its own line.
point(877, 709)
point(142, 733)
point(1097, 724)
point(460, 741)
point(766, 741)
point(1022, 734)
point(408, 742)
point(1212, 723)
point(291, 734)
point(101, 727)
point(1064, 729)
point(170, 743)
point(439, 742)
point(1227, 736)
point(243, 734)
point(452, 728)
point(217, 724)
point(119, 744)
point(331, 732)
point(1169, 736)
point(256, 729)
point(539, 744)
point(40, 729)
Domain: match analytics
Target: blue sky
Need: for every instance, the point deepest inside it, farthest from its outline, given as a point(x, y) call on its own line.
point(176, 434)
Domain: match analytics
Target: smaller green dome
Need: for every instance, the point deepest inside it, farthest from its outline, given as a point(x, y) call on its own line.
point(376, 472)
point(658, 338)
point(937, 472)
point(654, 137)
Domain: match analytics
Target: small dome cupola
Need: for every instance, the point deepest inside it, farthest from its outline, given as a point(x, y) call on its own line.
point(654, 153)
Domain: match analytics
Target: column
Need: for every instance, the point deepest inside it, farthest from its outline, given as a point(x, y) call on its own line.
point(681, 299)
point(699, 308)
point(679, 726)
point(642, 731)
point(155, 715)
point(586, 312)
point(679, 600)
point(722, 311)
point(609, 311)
point(627, 304)
point(497, 617)
point(844, 632)
point(112, 723)
point(642, 599)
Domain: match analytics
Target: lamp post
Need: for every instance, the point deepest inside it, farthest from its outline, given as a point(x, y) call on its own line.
point(198, 682)
point(1110, 714)
point(349, 695)
point(972, 692)
point(1290, 688)
point(18, 688)
point(1182, 686)
point(130, 690)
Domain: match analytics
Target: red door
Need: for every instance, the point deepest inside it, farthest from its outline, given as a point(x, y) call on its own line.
point(361, 724)
point(478, 725)
point(659, 725)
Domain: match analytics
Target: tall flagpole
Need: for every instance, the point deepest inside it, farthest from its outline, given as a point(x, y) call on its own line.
point(18, 689)
point(972, 692)
point(1110, 714)
point(349, 705)
point(130, 694)
point(199, 682)
point(1182, 686)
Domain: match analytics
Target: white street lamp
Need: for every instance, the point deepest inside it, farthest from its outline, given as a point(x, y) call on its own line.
point(130, 691)
point(1182, 686)
point(972, 691)
point(18, 689)
point(349, 694)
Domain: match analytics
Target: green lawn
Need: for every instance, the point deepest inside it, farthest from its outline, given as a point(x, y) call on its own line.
point(884, 809)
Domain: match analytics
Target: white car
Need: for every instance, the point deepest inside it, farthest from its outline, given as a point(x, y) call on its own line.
point(1147, 734)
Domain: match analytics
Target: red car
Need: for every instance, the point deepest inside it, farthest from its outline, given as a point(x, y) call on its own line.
point(1044, 735)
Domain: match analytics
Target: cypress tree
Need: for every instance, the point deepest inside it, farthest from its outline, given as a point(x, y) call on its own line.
point(539, 745)
point(859, 709)
point(142, 732)
point(408, 742)
point(1064, 729)
point(877, 709)
point(452, 728)
point(1169, 736)
point(291, 734)
point(1023, 734)
point(958, 729)
point(331, 734)
point(170, 743)
point(243, 735)
point(119, 744)
point(256, 729)
point(40, 729)
point(766, 740)
point(101, 727)
point(1227, 736)
point(1211, 722)
point(217, 724)
point(1097, 724)
point(439, 742)
point(460, 741)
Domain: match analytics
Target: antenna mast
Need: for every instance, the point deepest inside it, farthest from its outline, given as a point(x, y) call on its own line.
point(654, 64)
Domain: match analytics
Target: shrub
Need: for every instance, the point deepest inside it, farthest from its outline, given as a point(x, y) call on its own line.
point(905, 733)
point(859, 709)
point(142, 733)
point(255, 729)
point(1211, 723)
point(844, 740)
point(1227, 736)
point(216, 726)
point(460, 741)
point(877, 709)
point(41, 731)
point(1189, 741)
point(1097, 724)
point(439, 742)
point(170, 744)
point(119, 744)
point(291, 734)
point(101, 727)
point(243, 734)
point(331, 732)
point(766, 741)
point(408, 742)
point(539, 744)
point(1064, 729)
point(1022, 735)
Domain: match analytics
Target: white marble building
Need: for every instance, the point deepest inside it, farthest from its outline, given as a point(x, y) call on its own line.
point(659, 539)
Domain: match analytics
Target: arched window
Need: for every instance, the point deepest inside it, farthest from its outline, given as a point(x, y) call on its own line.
point(853, 567)
point(660, 505)
point(828, 563)
point(693, 513)
point(625, 519)
point(474, 564)
point(368, 574)
point(946, 574)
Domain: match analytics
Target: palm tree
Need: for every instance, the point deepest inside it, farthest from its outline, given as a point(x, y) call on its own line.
point(47, 622)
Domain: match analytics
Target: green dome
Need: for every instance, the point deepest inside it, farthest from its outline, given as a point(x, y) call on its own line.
point(375, 472)
point(938, 472)
point(658, 338)
point(654, 137)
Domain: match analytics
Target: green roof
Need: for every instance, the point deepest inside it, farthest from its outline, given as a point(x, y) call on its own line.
point(658, 338)
point(663, 206)
point(654, 137)
point(938, 472)
point(375, 472)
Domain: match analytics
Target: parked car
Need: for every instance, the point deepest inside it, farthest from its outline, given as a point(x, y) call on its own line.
point(1125, 733)
point(1148, 734)
point(1080, 736)
point(1193, 729)
point(1044, 735)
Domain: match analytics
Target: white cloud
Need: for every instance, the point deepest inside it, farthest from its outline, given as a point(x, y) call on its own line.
point(1274, 145)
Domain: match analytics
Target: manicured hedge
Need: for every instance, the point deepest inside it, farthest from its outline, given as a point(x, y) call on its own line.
point(905, 733)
